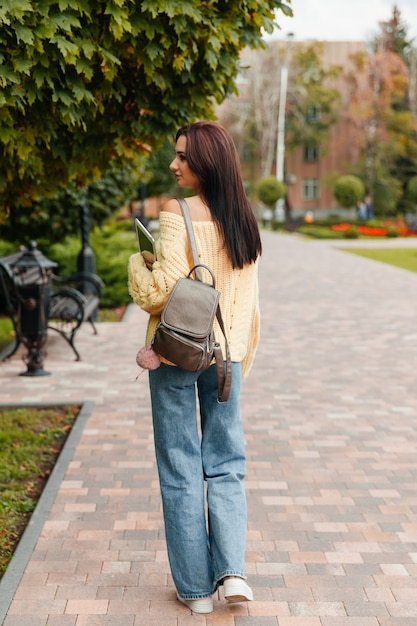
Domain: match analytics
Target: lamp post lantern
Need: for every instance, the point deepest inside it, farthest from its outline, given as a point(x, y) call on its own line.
point(32, 273)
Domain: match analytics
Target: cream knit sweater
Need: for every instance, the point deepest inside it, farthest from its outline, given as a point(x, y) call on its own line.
point(238, 288)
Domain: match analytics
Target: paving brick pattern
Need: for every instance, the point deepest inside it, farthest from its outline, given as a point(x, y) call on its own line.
point(329, 411)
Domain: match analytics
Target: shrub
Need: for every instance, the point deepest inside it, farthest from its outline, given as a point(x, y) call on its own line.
point(351, 233)
point(277, 225)
point(392, 231)
point(112, 246)
point(318, 232)
point(270, 190)
point(387, 194)
point(6, 332)
point(348, 190)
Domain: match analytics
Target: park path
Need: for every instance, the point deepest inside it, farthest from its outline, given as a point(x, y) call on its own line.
point(329, 412)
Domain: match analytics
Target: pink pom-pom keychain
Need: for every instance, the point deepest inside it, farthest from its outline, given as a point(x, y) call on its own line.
point(147, 359)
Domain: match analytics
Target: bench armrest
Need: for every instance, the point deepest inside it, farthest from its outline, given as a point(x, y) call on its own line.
point(78, 279)
point(72, 293)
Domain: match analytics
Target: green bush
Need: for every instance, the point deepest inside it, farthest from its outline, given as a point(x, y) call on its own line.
point(112, 246)
point(375, 222)
point(6, 328)
point(387, 195)
point(270, 190)
point(348, 190)
point(392, 231)
point(351, 233)
point(7, 248)
point(277, 225)
point(318, 232)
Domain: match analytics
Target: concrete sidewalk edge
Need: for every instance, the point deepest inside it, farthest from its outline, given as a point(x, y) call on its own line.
point(23, 552)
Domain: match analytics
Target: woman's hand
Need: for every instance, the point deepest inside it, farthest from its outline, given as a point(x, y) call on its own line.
point(148, 258)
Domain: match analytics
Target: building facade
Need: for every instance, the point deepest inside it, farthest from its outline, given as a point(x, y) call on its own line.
point(309, 171)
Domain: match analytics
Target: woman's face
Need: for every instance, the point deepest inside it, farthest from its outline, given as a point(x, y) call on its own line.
point(185, 177)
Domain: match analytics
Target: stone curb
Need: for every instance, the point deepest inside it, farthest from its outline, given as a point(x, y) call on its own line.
point(23, 552)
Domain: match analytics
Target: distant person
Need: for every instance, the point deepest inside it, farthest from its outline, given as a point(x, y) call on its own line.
point(369, 207)
point(362, 211)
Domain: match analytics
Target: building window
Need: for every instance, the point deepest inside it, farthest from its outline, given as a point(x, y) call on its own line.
point(311, 188)
point(313, 114)
point(311, 154)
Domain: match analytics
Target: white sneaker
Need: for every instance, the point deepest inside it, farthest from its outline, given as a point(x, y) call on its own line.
point(236, 590)
point(202, 605)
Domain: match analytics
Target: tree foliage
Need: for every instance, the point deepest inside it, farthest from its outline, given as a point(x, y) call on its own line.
point(312, 100)
point(384, 127)
point(387, 193)
point(412, 189)
point(50, 220)
point(393, 36)
point(85, 82)
point(158, 178)
point(253, 114)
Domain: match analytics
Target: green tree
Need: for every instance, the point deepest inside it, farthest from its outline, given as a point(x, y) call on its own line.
point(49, 220)
point(158, 178)
point(393, 36)
point(387, 193)
point(402, 123)
point(412, 190)
point(87, 82)
point(312, 102)
point(384, 127)
point(252, 115)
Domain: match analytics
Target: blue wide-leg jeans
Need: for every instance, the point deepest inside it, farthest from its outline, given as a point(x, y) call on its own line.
point(205, 528)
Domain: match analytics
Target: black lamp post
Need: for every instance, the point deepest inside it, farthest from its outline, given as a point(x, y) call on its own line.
point(85, 260)
point(32, 273)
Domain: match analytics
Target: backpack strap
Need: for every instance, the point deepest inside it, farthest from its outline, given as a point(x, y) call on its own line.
point(224, 370)
point(191, 237)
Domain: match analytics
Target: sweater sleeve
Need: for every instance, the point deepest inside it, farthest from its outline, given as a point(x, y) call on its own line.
point(150, 289)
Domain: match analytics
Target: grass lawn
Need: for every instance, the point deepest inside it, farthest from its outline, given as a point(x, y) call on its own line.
point(406, 258)
point(30, 442)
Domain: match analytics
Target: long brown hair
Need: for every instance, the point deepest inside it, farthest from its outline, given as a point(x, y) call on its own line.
point(212, 156)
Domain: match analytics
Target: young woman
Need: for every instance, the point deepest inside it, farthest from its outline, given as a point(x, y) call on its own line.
point(205, 527)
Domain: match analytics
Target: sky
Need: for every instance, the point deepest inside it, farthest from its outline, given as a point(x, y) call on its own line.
point(343, 20)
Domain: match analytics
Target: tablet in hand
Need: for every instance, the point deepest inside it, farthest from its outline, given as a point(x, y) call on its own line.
point(145, 239)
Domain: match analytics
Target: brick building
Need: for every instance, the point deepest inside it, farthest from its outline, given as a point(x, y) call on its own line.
point(309, 173)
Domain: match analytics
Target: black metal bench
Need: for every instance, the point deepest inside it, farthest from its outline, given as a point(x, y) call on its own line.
point(73, 300)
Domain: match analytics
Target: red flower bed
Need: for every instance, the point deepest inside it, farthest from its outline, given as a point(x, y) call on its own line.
point(376, 231)
point(340, 228)
point(372, 231)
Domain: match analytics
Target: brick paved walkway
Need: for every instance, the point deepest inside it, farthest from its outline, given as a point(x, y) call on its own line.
point(330, 416)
